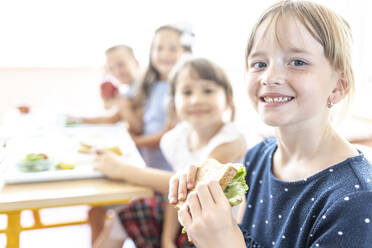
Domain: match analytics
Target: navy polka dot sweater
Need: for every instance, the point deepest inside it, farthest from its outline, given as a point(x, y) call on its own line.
point(332, 208)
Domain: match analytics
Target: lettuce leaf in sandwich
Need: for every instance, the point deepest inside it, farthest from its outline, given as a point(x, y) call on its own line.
point(236, 189)
point(230, 176)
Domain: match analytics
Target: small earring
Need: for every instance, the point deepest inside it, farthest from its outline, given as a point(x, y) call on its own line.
point(330, 104)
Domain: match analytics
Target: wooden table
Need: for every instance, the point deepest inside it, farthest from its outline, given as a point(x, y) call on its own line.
point(34, 196)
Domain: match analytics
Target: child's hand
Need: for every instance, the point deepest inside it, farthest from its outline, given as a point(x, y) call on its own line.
point(124, 103)
point(180, 183)
point(109, 90)
point(74, 119)
point(108, 103)
point(109, 164)
point(208, 220)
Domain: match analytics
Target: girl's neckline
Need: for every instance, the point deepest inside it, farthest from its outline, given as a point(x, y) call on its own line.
point(209, 141)
point(317, 175)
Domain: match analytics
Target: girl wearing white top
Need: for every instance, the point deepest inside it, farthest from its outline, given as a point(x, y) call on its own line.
point(176, 147)
point(201, 94)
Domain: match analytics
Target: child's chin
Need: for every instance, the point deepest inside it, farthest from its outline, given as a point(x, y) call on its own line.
point(165, 70)
point(125, 80)
point(200, 122)
point(272, 122)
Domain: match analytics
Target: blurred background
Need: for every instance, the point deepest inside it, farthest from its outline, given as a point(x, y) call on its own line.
point(52, 52)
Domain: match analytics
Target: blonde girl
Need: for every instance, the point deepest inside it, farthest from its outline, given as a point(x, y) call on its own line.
point(308, 187)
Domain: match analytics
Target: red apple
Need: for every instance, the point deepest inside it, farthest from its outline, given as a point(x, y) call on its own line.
point(108, 90)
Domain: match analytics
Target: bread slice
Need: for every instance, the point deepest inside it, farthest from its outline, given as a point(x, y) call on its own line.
point(210, 170)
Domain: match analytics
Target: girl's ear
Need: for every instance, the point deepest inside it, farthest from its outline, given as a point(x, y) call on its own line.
point(341, 90)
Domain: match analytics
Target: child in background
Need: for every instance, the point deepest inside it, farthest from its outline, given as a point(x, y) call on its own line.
point(169, 44)
point(201, 94)
point(308, 187)
point(122, 65)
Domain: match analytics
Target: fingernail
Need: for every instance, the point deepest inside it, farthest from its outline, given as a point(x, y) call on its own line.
point(180, 196)
point(189, 185)
point(172, 200)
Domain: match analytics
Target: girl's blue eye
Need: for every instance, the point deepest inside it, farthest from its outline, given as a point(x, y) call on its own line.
point(298, 62)
point(259, 65)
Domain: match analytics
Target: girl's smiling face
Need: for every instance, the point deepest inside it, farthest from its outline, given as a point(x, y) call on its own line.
point(198, 101)
point(166, 50)
point(290, 79)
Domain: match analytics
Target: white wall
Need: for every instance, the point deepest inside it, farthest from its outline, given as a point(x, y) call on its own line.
point(61, 88)
point(38, 36)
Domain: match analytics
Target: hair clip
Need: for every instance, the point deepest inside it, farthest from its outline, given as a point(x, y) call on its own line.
point(187, 35)
point(187, 39)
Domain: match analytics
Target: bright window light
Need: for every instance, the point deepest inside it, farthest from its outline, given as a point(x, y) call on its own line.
point(75, 33)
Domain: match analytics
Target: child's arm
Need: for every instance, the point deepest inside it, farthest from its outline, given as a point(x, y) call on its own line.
point(131, 115)
point(111, 119)
point(116, 167)
point(171, 227)
point(150, 141)
point(115, 117)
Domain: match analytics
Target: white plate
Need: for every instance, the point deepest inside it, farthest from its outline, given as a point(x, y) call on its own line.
point(62, 145)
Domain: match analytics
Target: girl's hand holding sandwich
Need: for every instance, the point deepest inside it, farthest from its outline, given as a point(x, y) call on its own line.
point(206, 214)
point(208, 220)
point(180, 183)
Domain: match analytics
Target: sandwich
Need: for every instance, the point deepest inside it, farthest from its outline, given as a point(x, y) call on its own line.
point(231, 177)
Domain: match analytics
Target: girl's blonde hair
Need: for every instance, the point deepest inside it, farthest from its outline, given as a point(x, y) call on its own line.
point(151, 74)
point(325, 26)
point(204, 69)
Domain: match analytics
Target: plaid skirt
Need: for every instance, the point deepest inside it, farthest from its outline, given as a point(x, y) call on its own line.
point(143, 221)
